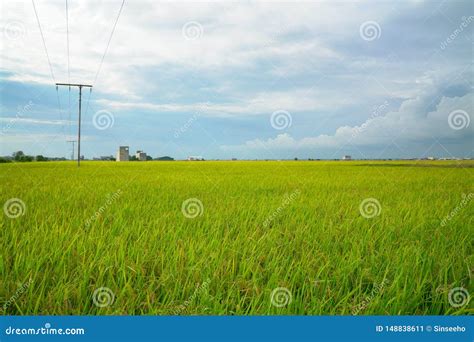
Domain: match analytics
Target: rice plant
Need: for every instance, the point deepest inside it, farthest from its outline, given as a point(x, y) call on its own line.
point(244, 238)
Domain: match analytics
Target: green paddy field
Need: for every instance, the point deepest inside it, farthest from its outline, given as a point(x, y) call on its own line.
point(241, 237)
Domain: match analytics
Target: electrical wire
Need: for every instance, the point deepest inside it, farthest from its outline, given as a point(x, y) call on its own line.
point(105, 53)
point(108, 43)
point(44, 43)
point(68, 70)
point(50, 66)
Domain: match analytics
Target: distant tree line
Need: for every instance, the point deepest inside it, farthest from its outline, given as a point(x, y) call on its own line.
point(165, 158)
point(134, 158)
point(20, 156)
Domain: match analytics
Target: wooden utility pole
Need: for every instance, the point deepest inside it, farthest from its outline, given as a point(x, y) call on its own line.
point(79, 118)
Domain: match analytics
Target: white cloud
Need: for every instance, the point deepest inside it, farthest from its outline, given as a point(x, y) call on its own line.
point(149, 34)
point(252, 59)
point(413, 121)
point(16, 120)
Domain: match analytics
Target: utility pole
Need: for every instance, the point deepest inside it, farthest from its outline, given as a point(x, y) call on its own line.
point(79, 119)
point(72, 141)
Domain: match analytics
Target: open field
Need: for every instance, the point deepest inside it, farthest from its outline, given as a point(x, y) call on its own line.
point(297, 226)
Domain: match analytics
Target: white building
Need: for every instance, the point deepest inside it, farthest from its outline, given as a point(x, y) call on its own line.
point(140, 155)
point(195, 158)
point(347, 158)
point(122, 154)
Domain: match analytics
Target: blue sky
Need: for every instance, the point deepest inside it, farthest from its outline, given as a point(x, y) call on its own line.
point(255, 79)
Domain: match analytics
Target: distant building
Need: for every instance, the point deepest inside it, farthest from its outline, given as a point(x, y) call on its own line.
point(347, 158)
point(122, 154)
point(195, 158)
point(140, 155)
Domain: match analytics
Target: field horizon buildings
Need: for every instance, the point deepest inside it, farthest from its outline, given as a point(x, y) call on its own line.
point(272, 95)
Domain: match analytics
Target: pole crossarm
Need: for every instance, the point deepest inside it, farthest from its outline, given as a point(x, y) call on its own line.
point(74, 85)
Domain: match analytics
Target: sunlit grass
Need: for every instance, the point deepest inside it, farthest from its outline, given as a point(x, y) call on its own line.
point(317, 244)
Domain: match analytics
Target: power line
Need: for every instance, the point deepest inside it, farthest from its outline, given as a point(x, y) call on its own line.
point(68, 69)
point(68, 61)
point(67, 38)
point(44, 43)
point(105, 53)
point(108, 43)
point(50, 66)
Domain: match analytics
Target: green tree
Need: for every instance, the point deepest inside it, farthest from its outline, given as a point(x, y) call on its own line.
point(18, 155)
point(41, 158)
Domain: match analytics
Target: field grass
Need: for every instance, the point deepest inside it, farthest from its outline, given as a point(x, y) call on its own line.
point(294, 230)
